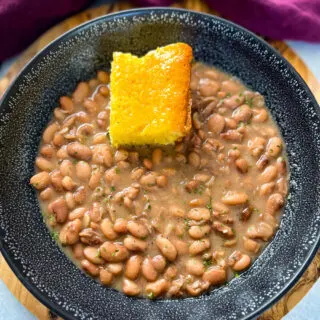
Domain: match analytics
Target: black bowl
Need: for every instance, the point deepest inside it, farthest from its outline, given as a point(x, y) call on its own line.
point(27, 107)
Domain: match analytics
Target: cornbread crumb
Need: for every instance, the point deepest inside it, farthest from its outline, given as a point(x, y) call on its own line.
point(150, 96)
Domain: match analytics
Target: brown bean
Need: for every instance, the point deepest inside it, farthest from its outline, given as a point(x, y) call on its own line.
point(107, 229)
point(79, 151)
point(96, 212)
point(60, 210)
point(83, 170)
point(121, 155)
point(68, 183)
point(251, 245)
point(147, 163)
point(120, 225)
point(46, 194)
point(274, 203)
point(242, 113)
point(242, 165)
point(102, 155)
point(233, 102)
point(89, 236)
point(162, 181)
point(130, 288)
point(159, 263)
point(216, 123)
point(99, 138)
point(268, 174)
point(77, 250)
point(95, 179)
point(66, 168)
point(262, 162)
point(242, 263)
point(194, 159)
point(166, 248)
point(62, 153)
point(260, 115)
point(91, 106)
point(176, 211)
point(134, 244)
point(274, 147)
point(215, 275)
point(66, 104)
point(82, 91)
point(282, 186)
point(198, 232)
point(44, 164)
point(232, 135)
point(223, 229)
point(181, 246)
point(157, 156)
point(47, 151)
point(149, 179)
point(69, 233)
point(133, 266)
point(59, 139)
point(40, 180)
point(77, 213)
point(115, 268)
point(112, 176)
point(267, 188)
point(93, 255)
point(106, 276)
point(208, 88)
point(90, 267)
point(256, 146)
point(195, 267)
point(49, 132)
point(281, 166)
point(262, 231)
point(199, 214)
point(137, 229)
point(234, 198)
point(148, 270)
point(113, 252)
point(199, 246)
point(103, 76)
point(80, 195)
point(158, 287)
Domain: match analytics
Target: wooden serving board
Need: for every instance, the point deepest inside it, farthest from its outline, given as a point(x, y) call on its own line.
point(15, 286)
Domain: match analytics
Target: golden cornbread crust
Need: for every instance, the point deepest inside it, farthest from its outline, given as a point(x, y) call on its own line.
point(150, 96)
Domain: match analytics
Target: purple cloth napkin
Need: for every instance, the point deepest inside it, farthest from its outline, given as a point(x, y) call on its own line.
point(21, 21)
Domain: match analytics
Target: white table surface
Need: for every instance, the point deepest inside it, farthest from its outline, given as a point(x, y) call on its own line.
point(307, 309)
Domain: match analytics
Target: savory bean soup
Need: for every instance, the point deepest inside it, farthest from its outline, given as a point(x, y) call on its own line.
point(164, 221)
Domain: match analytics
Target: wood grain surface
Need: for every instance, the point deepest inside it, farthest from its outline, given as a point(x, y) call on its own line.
point(19, 291)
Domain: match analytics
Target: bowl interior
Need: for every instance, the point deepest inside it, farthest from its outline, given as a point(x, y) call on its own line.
point(27, 108)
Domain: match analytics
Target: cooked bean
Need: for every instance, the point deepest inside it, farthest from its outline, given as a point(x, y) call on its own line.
point(46, 194)
point(216, 123)
point(159, 263)
point(99, 138)
point(262, 231)
point(242, 263)
point(66, 168)
point(166, 248)
point(157, 156)
point(242, 114)
point(137, 229)
point(274, 147)
point(62, 153)
point(113, 252)
point(69, 233)
point(199, 246)
point(256, 146)
point(40, 180)
point(262, 162)
point(60, 210)
point(195, 267)
point(93, 255)
point(106, 276)
point(102, 155)
point(282, 186)
point(82, 91)
point(89, 236)
point(233, 102)
point(162, 181)
point(134, 244)
point(120, 225)
point(83, 170)
point(194, 159)
point(171, 272)
point(215, 275)
point(260, 115)
point(68, 183)
point(242, 165)
point(90, 267)
point(274, 203)
point(107, 229)
point(79, 151)
point(80, 195)
point(148, 270)
point(281, 166)
point(77, 213)
point(232, 135)
point(77, 250)
point(251, 245)
point(198, 232)
point(158, 287)
point(268, 174)
point(130, 288)
point(71, 204)
point(234, 198)
point(133, 266)
point(115, 268)
point(49, 132)
point(96, 212)
point(91, 106)
point(223, 229)
point(199, 214)
point(149, 179)
point(267, 188)
point(208, 88)
point(47, 151)
point(58, 139)
point(44, 164)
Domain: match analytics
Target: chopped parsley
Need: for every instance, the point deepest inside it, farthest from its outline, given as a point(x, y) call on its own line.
point(237, 100)
point(240, 124)
point(108, 134)
point(113, 188)
point(256, 210)
point(55, 235)
point(117, 170)
point(115, 252)
point(74, 161)
point(199, 190)
point(207, 263)
point(249, 102)
point(98, 255)
point(237, 275)
point(228, 95)
point(149, 206)
point(52, 218)
point(209, 205)
point(150, 295)
point(186, 223)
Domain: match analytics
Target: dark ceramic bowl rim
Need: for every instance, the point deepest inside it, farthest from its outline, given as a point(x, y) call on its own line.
point(138, 11)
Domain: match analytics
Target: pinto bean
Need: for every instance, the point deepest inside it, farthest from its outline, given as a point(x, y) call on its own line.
point(147, 163)
point(77, 213)
point(232, 135)
point(166, 248)
point(194, 159)
point(267, 188)
point(82, 91)
point(222, 229)
point(233, 102)
point(148, 270)
point(79, 151)
point(115, 268)
point(40, 180)
point(106, 276)
point(208, 88)
point(159, 263)
point(199, 246)
point(216, 123)
point(137, 229)
point(215, 275)
point(77, 250)
point(268, 174)
point(46, 194)
point(251, 245)
point(80, 195)
point(102, 155)
point(49, 132)
point(44, 164)
point(93, 255)
point(256, 146)
point(242, 263)
point(68, 183)
point(157, 155)
point(281, 166)
point(62, 153)
point(83, 170)
point(60, 210)
point(234, 198)
point(66, 168)
point(198, 232)
point(134, 244)
point(282, 186)
point(149, 179)
point(133, 266)
point(120, 225)
point(274, 147)
point(96, 212)
point(242, 114)
point(274, 203)
point(130, 288)
point(107, 229)
point(69, 233)
point(199, 214)
point(113, 252)
point(47, 151)
point(176, 211)
point(157, 288)
point(262, 231)
point(162, 181)
point(90, 267)
point(262, 162)
point(242, 165)
point(195, 267)
point(260, 115)
point(90, 237)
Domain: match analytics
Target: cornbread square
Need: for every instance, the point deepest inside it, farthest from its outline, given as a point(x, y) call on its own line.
point(150, 96)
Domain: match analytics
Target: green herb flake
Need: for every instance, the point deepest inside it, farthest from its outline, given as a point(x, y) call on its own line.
point(237, 275)
point(74, 161)
point(113, 188)
point(249, 102)
point(52, 218)
point(228, 95)
point(150, 295)
point(117, 170)
point(149, 206)
point(207, 263)
point(115, 252)
point(256, 210)
point(241, 124)
point(55, 235)
point(240, 94)
point(186, 223)
point(98, 255)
